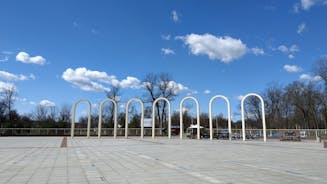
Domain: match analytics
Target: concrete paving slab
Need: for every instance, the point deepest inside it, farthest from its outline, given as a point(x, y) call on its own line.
point(162, 160)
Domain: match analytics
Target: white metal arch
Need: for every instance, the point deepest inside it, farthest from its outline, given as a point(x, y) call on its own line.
point(181, 116)
point(142, 116)
point(88, 119)
point(100, 116)
point(228, 114)
point(262, 114)
point(153, 116)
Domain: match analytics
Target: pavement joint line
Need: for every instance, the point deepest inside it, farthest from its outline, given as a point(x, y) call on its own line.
point(170, 161)
point(281, 171)
point(175, 167)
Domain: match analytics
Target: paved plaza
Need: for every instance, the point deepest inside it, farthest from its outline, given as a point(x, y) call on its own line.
point(135, 160)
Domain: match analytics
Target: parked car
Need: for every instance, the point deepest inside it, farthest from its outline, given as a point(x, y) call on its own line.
point(236, 136)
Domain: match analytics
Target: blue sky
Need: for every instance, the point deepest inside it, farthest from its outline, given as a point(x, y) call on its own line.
point(55, 52)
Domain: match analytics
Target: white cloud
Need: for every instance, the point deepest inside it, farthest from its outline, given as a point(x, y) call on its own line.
point(89, 80)
point(165, 37)
point(296, 7)
point(294, 48)
point(288, 50)
point(47, 103)
point(177, 87)
point(225, 49)
point(291, 56)
point(240, 97)
point(175, 16)
point(310, 78)
point(5, 52)
point(192, 92)
point(307, 4)
point(300, 28)
point(131, 82)
point(122, 106)
point(207, 91)
point(26, 58)
point(12, 77)
point(32, 76)
point(292, 68)
point(5, 86)
point(4, 59)
point(167, 51)
point(257, 51)
point(283, 48)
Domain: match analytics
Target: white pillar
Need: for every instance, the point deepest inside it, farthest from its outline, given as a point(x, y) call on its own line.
point(153, 116)
point(181, 116)
point(228, 114)
point(262, 114)
point(142, 116)
point(73, 117)
point(100, 116)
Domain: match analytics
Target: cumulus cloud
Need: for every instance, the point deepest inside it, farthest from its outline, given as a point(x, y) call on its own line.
point(283, 48)
point(291, 56)
point(292, 68)
point(47, 103)
point(257, 51)
point(294, 48)
point(192, 92)
point(165, 37)
point(225, 49)
point(301, 28)
point(308, 77)
point(307, 4)
point(167, 51)
point(6, 86)
point(12, 77)
point(89, 80)
point(288, 50)
point(131, 82)
point(26, 58)
point(207, 91)
point(177, 88)
point(175, 16)
point(240, 97)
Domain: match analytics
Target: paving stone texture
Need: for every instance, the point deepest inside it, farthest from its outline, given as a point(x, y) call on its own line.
point(147, 161)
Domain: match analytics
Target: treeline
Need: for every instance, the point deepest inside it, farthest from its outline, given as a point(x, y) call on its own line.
point(300, 104)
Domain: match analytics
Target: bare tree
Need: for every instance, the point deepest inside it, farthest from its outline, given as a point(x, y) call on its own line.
point(320, 68)
point(275, 105)
point(41, 113)
point(2, 113)
point(52, 115)
point(8, 97)
point(65, 113)
point(113, 94)
point(159, 85)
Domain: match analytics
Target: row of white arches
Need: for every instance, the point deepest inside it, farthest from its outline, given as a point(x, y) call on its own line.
point(169, 115)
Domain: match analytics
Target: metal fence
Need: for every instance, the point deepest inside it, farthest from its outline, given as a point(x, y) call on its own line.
point(77, 131)
point(236, 133)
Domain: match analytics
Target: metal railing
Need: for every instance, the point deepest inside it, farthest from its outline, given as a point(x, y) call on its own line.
point(77, 132)
point(312, 134)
